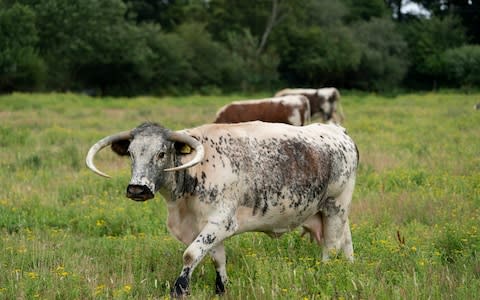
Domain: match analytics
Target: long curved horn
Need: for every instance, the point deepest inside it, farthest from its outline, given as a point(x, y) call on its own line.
point(193, 143)
point(124, 135)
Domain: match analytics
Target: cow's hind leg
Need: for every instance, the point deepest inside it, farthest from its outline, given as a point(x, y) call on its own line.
point(337, 233)
point(219, 259)
point(347, 242)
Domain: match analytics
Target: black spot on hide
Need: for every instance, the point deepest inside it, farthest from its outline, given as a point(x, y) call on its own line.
point(186, 184)
point(212, 194)
point(209, 239)
point(229, 225)
point(330, 207)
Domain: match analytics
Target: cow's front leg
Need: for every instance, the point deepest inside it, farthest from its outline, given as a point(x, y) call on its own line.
point(209, 238)
point(219, 259)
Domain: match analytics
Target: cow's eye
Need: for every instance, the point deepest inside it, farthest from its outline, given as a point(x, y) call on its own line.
point(160, 155)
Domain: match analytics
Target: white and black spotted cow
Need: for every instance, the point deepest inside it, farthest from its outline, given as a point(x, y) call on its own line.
point(292, 109)
point(324, 102)
point(224, 179)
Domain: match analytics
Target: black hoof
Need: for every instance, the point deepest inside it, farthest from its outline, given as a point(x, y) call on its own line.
point(219, 286)
point(180, 288)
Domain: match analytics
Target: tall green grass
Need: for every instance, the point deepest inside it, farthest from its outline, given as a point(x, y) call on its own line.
point(66, 233)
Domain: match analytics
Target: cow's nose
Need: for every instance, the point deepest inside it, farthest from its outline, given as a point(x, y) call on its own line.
point(139, 192)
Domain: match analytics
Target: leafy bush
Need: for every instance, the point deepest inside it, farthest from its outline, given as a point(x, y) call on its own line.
point(383, 62)
point(366, 9)
point(211, 62)
point(169, 64)
point(89, 44)
point(20, 66)
point(427, 40)
point(257, 70)
point(462, 65)
point(318, 57)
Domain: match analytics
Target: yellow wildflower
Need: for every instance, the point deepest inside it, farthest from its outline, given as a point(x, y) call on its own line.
point(127, 288)
point(60, 271)
point(100, 223)
point(99, 289)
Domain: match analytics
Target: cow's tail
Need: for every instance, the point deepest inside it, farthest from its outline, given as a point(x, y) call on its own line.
point(308, 112)
point(341, 115)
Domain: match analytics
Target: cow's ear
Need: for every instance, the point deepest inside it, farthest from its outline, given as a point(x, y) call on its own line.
point(121, 147)
point(182, 148)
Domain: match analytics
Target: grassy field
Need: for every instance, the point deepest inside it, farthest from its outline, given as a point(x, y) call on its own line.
point(66, 233)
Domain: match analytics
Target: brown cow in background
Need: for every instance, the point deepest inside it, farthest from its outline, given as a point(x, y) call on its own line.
point(324, 101)
point(292, 109)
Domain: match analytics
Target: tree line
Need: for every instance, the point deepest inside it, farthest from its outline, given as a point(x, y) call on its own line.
point(128, 47)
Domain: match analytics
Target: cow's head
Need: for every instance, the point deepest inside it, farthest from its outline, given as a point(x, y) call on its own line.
point(328, 102)
point(152, 149)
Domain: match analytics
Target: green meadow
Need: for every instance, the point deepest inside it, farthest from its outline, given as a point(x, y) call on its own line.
point(66, 233)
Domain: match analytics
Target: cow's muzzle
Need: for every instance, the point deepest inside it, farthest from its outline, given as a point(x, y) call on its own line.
point(139, 192)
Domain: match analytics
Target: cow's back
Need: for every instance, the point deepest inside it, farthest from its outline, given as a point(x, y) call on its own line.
point(293, 110)
point(272, 142)
point(271, 168)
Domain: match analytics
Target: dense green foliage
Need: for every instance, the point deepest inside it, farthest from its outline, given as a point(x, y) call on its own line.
point(131, 47)
point(66, 233)
point(463, 65)
point(20, 65)
point(428, 40)
point(383, 56)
